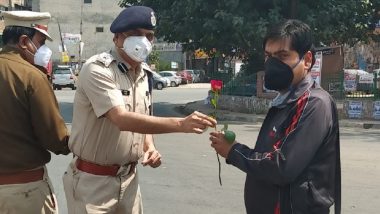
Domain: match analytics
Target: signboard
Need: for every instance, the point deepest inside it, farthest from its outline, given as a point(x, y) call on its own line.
point(366, 78)
point(376, 110)
point(69, 38)
point(317, 68)
point(355, 109)
point(349, 82)
point(65, 57)
point(174, 65)
point(167, 46)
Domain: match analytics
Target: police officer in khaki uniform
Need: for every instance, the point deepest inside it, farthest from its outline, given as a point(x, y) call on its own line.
point(111, 127)
point(30, 122)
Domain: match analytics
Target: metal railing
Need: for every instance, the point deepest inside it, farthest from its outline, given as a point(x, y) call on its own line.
point(241, 86)
point(341, 87)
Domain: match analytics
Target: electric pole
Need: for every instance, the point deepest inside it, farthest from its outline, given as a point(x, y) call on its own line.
point(80, 42)
point(10, 5)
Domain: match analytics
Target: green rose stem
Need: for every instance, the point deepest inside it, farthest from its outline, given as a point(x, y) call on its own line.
point(216, 97)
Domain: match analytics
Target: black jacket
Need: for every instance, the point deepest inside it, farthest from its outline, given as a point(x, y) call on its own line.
point(295, 165)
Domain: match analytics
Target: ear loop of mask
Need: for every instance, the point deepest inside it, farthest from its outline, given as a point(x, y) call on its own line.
point(291, 87)
point(298, 62)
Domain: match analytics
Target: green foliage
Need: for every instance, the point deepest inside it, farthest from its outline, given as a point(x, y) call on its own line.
point(163, 66)
point(154, 58)
point(236, 27)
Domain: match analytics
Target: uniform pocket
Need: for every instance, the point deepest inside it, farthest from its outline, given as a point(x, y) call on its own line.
point(128, 100)
point(306, 198)
point(320, 197)
point(47, 192)
point(148, 104)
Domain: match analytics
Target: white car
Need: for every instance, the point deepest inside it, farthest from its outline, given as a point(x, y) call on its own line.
point(175, 80)
point(63, 76)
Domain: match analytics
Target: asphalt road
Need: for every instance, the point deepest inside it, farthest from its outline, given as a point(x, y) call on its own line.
point(187, 181)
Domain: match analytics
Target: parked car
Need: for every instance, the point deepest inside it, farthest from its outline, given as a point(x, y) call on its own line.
point(202, 75)
point(159, 82)
point(63, 76)
point(185, 77)
point(175, 79)
point(194, 75)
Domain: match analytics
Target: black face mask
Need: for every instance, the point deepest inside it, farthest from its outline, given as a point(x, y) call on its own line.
point(278, 75)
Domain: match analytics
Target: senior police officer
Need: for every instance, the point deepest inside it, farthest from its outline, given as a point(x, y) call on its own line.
point(111, 127)
point(30, 122)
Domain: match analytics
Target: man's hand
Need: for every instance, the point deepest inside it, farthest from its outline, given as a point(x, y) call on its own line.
point(220, 144)
point(196, 123)
point(152, 158)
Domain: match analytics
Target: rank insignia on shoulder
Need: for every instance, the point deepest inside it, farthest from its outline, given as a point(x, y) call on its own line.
point(105, 58)
point(125, 92)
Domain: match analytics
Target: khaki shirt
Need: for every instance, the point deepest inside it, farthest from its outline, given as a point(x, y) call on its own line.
point(30, 121)
point(101, 87)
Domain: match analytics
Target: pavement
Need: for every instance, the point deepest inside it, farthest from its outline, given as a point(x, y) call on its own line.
point(224, 115)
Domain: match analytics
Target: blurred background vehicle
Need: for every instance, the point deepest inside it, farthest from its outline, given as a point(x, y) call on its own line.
point(202, 76)
point(63, 76)
point(185, 77)
point(194, 76)
point(159, 82)
point(175, 79)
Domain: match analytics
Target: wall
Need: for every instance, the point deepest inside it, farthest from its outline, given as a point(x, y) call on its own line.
point(361, 109)
point(68, 13)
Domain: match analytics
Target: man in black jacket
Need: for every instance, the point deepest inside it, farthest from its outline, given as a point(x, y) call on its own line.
point(295, 165)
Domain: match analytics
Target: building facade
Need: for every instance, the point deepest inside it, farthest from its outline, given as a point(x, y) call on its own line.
point(79, 28)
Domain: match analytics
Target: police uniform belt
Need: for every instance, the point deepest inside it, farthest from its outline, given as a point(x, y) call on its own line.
point(109, 170)
point(22, 177)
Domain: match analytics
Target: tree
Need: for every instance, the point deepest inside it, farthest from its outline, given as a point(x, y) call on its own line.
point(154, 58)
point(236, 27)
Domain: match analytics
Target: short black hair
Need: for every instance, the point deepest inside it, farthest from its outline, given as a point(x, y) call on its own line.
point(11, 34)
point(299, 33)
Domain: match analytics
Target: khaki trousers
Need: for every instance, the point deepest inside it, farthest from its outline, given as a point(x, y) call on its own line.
point(95, 194)
point(34, 197)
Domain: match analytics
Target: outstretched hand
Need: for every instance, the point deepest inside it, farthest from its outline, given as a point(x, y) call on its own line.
point(197, 123)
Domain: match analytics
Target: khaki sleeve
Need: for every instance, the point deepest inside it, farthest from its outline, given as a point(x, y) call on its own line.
point(100, 87)
point(48, 124)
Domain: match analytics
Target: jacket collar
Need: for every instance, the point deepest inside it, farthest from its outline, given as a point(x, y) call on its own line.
point(13, 54)
point(295, 92)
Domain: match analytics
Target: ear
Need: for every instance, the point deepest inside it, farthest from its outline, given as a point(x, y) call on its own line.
point(308, 60)
point(115, 37)
point(23, 41)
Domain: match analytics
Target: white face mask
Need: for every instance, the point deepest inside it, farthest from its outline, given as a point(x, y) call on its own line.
point(42, 56)
point(137, 47)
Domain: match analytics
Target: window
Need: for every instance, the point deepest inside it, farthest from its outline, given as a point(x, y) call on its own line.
point(99, 29)
point(88, 1)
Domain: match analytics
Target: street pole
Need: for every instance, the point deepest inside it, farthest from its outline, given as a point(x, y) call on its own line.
point(10, 5)
point(60, 36)
point(80, 42)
